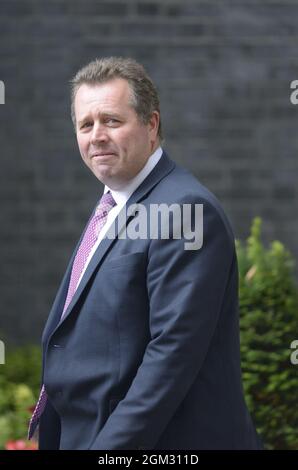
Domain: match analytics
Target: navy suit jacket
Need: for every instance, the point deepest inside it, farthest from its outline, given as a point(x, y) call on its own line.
point(147, 355)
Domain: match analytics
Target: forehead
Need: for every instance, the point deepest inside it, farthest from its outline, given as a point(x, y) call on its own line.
point(113, 94)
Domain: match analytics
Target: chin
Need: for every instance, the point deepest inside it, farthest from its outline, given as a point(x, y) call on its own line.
point(103, 171)
point(103, 178)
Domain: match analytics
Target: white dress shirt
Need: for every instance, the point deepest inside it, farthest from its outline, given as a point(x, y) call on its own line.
point(121, 197)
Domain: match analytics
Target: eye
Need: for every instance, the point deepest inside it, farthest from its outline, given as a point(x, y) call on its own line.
point(86, 124)
point(111, 121)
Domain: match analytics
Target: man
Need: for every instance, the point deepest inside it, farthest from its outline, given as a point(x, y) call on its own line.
point(141, 348)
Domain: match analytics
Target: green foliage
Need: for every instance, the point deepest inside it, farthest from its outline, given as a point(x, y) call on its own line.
point(19, 385)
point(23, 365)
point(269, 324)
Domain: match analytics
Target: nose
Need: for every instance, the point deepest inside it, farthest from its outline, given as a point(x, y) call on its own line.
point(99, 134)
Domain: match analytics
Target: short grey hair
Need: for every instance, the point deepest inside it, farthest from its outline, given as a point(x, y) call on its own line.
point(144, 94)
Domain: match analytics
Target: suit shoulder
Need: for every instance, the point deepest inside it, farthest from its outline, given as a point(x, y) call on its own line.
point(181, 186)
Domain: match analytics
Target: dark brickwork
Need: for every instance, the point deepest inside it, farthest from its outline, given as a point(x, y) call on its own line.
point(223, 69)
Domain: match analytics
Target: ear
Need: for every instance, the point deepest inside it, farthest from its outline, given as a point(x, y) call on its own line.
point(153, 125)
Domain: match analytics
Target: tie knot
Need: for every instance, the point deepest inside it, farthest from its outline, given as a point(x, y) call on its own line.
point(106, 202)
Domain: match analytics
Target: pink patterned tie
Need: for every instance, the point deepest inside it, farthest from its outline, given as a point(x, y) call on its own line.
point(95, 225)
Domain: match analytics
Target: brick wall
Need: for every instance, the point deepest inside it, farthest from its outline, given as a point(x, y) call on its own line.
point(223, 69)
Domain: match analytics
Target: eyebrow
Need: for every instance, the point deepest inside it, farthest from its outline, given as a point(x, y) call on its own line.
point(102, 115)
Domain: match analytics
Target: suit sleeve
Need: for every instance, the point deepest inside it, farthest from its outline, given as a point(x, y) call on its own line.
point(185, 290)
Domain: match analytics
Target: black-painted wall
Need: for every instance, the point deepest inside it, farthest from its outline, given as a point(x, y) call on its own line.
point(223, 69)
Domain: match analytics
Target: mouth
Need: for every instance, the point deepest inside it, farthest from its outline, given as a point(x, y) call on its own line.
point(102, 154)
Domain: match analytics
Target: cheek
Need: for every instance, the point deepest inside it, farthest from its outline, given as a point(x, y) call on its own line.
point(130, 145)
point(121, 140)
point(83, 146)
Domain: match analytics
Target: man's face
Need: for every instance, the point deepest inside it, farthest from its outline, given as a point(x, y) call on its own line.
point(113, 142)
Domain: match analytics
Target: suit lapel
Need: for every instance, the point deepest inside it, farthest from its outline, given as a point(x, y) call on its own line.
point(163, 167)
point(57, 307)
